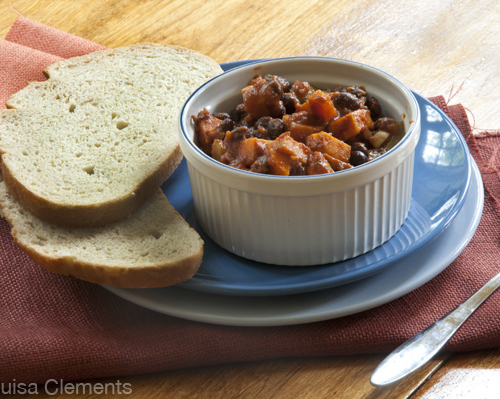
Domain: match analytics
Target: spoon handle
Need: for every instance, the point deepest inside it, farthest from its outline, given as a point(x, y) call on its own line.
point(419, 349)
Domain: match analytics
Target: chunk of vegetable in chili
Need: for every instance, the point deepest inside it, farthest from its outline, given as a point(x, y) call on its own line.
point(298, 129)
point(322, 106)
point(302, 124)
point(327, 144)
point(349, 126)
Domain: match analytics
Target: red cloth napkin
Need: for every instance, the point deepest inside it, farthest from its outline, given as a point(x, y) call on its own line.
point(56, 327)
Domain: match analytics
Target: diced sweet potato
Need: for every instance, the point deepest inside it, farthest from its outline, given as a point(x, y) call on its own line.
point(255, 105)
point(318, 165)
point(282, 156)
point(287, 145)
point(322, 106)
point(300, 132)
point(249, 150)
point(350, 125)
point(306, 107)
point(326, 143)
point(285, 155)
point(241, 152)
point(336, 164)
point(300, 125)
point(263, 97)
point(278, 162)
point(208, 129)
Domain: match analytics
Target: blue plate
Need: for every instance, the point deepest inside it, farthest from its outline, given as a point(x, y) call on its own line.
point(396, 280)
point(441, 181)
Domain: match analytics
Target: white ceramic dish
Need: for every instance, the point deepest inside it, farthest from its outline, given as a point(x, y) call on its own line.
point(440, 156)
point(396, 280)
point(303, 220)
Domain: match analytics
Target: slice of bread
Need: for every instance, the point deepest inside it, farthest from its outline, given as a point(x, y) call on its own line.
point(88, 146)
point(153, 247)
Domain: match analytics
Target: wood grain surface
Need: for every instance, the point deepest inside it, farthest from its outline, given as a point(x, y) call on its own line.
point(435, 47)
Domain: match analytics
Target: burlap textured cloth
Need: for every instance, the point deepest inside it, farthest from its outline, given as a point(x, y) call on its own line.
point(56, 327)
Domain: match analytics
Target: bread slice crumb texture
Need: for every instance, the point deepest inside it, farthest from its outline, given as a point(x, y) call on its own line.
point(90, 144)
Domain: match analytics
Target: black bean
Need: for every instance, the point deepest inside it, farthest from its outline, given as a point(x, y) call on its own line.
point(357, 146)
point(289, 102)
point(238, 113)
point(358, 158)
point(347, 102)
point(374, 107)
point(268, 128)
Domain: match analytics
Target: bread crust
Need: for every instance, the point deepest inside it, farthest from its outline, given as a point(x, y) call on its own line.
point(73, 252)
point(91, 215)
point(149, 276)
point(207, 59)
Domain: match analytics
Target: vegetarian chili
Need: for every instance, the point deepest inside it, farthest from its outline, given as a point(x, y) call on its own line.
point(297, 129)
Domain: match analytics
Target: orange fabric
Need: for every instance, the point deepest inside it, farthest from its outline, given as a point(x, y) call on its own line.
point(57, 327)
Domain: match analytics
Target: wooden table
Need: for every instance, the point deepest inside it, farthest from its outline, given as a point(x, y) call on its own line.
point(449, 48)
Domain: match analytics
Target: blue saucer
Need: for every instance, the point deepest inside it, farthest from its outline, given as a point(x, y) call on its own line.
point(441, 181)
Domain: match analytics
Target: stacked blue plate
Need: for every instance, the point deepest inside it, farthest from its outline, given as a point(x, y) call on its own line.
point(446, 207)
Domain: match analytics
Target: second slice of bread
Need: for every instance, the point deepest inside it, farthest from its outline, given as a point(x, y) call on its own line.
point(153, 247)
point(88, 146)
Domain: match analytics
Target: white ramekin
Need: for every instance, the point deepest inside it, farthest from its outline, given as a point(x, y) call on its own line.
point(303, 220)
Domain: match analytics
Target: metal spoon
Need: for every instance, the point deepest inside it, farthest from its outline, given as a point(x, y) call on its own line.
point(418, 350)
